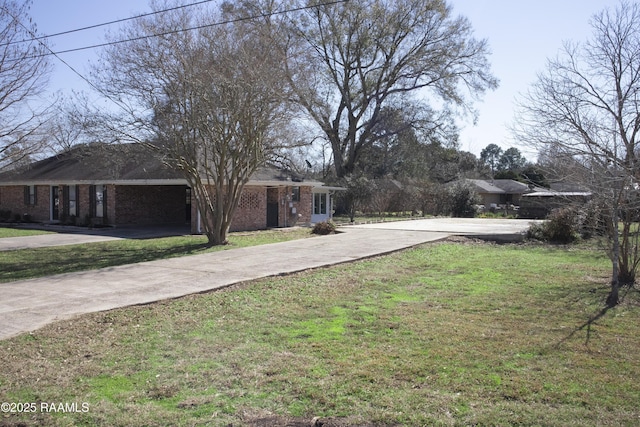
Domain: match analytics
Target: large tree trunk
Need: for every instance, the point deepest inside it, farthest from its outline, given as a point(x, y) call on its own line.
point(217, 237)
point(613, 298)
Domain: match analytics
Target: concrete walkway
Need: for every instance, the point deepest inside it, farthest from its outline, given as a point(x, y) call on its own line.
point(30, 304)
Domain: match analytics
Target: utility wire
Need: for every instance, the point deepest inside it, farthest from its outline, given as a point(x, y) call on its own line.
point(46, 47)
point(104, 24)
point(182, 30)
point(116, 102)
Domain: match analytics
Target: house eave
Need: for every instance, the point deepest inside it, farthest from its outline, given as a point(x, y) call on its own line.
point(274, 183)
point(96, 182)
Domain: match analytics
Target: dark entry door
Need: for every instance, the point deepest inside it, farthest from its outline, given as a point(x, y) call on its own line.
point(272, 214)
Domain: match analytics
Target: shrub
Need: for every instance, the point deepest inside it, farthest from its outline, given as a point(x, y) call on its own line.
point(536, 232)
point(324, 228)
point(592, 219)
point(5, 215)
point(562, 226)
point(463, 200)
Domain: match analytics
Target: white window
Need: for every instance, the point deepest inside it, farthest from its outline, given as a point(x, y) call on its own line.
point(73, 200)
point(319, 203)
point(99, 201)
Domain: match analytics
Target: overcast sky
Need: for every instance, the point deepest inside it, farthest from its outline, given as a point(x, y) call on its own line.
point(522, 34)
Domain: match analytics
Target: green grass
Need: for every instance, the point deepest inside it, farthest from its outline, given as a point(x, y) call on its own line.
point(30, 263)
point(17, 232)
point(444, 334)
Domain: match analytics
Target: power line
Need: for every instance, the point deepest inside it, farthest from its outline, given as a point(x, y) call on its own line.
point(44, 45)
point(56, 54)
point(104, 24)
point(182, 30)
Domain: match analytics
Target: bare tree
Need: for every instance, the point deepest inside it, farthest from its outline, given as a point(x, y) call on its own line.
point(348, 61)
point(586, 107)
point(67, 126)
point(209, 100)
point(24, 69)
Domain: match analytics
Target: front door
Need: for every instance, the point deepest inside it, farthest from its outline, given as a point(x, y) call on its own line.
point(272, 214)
point(320, 207)
point(55, 203)
point(273, 199)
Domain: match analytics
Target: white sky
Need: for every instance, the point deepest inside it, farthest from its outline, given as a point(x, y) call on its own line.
point(522, 34)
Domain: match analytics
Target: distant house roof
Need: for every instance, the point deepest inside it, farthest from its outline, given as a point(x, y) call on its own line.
point(499, 186)
point(124, 164)
point(553, 193)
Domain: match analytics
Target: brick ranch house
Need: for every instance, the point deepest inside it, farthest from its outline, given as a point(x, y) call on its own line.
point(126, 184)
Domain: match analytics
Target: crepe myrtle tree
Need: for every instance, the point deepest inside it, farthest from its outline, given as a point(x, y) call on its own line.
point(585, 108)
point(210, 101)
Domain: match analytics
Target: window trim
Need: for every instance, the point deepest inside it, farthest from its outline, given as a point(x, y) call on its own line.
point(320, 204)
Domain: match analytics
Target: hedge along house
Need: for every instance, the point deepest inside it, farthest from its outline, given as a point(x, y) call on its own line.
point(127, 184)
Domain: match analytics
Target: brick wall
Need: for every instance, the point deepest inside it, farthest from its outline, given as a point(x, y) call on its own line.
point(254, 216)
point(162, 204)
point(84, 207)
point(251, 213)
point(286, 207)
point(304, 206)
point(12, 198)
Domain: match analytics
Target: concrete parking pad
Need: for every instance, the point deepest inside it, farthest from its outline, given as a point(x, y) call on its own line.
point(495, 229)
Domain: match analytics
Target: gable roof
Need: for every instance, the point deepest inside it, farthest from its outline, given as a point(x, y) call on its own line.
point(499, 186)
point(483, 186)
point(511, 186)
point(95, 163)
point(124, 164)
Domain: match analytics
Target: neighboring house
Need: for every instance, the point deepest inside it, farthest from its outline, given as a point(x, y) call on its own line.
point(499, 192)
point(539, 203)
point(126, 184)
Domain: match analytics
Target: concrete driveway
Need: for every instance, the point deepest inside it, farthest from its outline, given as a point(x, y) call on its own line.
point(30, 304)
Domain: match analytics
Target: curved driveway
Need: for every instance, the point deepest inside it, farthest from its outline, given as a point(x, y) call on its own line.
point(30, 304)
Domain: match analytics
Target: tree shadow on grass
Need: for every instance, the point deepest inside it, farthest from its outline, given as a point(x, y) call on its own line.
point(44, 263)
point(593, 319)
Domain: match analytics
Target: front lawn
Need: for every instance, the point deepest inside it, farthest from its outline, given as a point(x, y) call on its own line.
point(444, 334)
point(20, 232)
